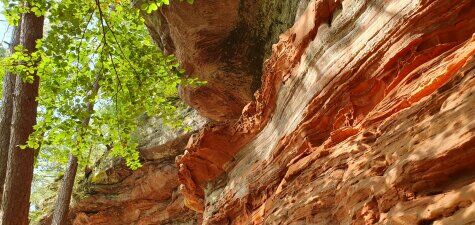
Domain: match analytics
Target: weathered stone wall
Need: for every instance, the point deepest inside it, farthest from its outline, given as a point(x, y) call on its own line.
point(223, 43)
point(215, 37)
point(366, 116)
point(113, 194)
point(116, 195)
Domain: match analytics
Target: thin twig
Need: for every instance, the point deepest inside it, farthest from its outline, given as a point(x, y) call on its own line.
point(5, 35)
point(82, 37)
point(119, 87)
point(101, 15)
point(78, 50)
point(119, 83)
point(123, 54)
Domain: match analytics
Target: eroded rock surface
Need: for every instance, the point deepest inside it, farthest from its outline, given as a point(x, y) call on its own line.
point(146, 196)
point(366, 116)
point(223, 43)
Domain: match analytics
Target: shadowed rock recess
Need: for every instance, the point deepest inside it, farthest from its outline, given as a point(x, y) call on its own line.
point(364, 114)
point(223, 43)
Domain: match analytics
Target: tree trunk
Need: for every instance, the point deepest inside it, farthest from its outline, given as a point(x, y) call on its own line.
point(6, 114)
point(16, 196)
point(61, 208)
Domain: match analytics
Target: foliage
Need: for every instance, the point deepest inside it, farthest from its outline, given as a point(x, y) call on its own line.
point(3, 54)
point(96, 55)
point(17, 7)
point(22, 63)
point(152, 5)
point(133, 75)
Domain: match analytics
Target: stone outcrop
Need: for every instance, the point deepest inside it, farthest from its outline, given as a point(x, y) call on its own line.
point(365, 116)
point(223, 43)
point(146, 196)
point(112, 194)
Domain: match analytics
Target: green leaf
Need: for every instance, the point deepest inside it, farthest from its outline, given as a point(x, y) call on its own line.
point(152, 7)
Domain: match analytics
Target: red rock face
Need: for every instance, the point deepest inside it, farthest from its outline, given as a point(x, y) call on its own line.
point(199, 32)
point(147, 196)
point(365, 116)
point(223, 43)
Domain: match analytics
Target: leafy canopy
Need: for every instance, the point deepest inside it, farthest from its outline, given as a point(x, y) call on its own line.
point(3, 54)
point(101, 45)
point(99, 71)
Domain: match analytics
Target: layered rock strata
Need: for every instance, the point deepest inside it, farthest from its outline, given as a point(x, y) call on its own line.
point(147, 196)
point(223, 43)
point(366, 116)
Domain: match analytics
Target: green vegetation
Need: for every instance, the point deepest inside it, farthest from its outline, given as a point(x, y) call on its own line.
point(99, 71)
point(3, 54)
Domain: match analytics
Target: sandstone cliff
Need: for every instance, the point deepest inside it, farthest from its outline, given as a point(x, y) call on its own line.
point(365, 115)
point(148, 195)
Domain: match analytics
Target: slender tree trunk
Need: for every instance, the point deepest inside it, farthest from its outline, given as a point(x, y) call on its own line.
point(16, 196)
point(61, 210)
point(6, 114)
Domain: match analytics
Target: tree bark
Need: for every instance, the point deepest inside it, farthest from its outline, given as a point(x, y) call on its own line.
point(61, 209)
point(16, 196)
point(6, 114)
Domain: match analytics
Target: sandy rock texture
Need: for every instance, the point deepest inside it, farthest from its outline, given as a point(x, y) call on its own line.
point(223, 43)
point(147, 196)
point(366, 115)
